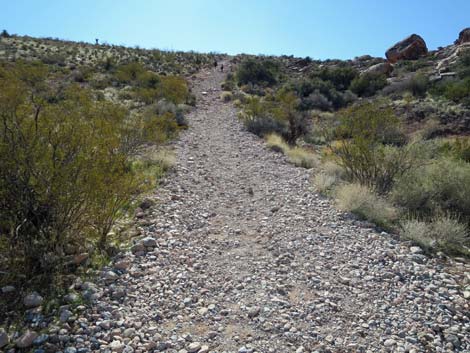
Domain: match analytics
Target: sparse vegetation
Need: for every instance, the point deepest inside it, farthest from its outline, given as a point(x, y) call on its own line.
point(363, 202)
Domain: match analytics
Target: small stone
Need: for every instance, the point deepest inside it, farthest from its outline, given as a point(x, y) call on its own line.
point(26, 339)
point(40, 340)
point(70, 350)
point(204, 349)
point(466, 294)
point(116, 346)
point(122, 265)
point(330, 339)
point(109, 276)
point(8, 289)
point(416, 250)
point(149, 242)
point(71, 298)
point(253, 312)
point(137, 248)
point(4, 339)
point(193, 347)
point(389, 342)
point(203, 311)
point(65, 315)
point(129, 332)
point(33, 300)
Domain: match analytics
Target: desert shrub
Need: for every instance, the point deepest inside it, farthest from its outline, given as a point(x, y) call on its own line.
point(129, 72)
point(317, 94)
point(463, 65)
point(302, 157)
point(440, 233)
point(59, 173)
point(458, 91)
point(324, 182)
point(298, 122)
point(340, 77)
point(363, 202)
point(418, 85)
point(295, 155)
point(443, 185)
point(226, 96)
point(257, 71)
point(368, 84)
point(458, 148)
point(259, 119)
point(65, 170)
point(276, 143)
point(175, 89)
point(263, 125)
point(363, 153)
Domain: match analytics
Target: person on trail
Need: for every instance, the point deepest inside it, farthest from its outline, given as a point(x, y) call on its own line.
point(222, 68)
point(215, 64)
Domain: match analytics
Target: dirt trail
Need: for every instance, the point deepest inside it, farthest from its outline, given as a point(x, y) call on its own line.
point(242, 255)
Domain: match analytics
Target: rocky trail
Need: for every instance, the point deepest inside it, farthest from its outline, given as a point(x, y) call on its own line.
point(239, 254)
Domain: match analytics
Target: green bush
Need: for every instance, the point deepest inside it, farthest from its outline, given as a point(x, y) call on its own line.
point(340, 77)
point(257, 71)
point(65, 170)
point(317, 94)
point(363, 154)
point(443, 185)
point(418, 85)
point(368, 84)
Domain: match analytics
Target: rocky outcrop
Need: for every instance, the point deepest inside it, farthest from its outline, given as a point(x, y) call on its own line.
point(410, 48)
point(381, 68)
point(464, 36)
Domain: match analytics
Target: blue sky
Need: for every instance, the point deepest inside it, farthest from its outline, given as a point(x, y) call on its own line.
point(320, 29)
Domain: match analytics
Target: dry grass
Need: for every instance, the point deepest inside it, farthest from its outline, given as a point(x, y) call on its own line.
point(277, 143)
point(296, 155)
point(302, 158)
point(443, 233)
point(363, 202)
point(226, 96)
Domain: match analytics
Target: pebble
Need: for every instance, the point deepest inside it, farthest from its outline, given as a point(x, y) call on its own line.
point(33, 300)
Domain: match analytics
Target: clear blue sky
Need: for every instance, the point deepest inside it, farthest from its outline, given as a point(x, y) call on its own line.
point(316, 28)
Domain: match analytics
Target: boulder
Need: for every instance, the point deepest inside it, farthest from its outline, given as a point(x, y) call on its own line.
point(381, 68)
point(410, 48)
point(464, 36)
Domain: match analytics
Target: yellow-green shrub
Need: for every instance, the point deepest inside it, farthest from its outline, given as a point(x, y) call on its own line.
point(365, 153)
point(65, 169)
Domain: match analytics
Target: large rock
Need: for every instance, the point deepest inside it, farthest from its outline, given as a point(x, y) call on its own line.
point(381, 68)
point(410, 48)
point(464, 36)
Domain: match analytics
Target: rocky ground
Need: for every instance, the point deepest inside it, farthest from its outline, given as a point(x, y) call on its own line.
point(239, 254)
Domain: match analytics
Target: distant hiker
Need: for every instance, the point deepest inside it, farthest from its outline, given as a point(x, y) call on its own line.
point(222, 68)
point(215, 64)
point(96, 41)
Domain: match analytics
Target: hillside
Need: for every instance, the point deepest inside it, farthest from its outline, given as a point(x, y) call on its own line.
point(152, 201)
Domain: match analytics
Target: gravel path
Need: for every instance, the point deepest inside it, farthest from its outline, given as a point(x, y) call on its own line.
point(240, 255)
